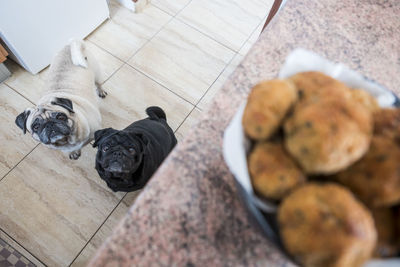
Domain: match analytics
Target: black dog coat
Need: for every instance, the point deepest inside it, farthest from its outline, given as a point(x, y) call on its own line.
point(127, 159)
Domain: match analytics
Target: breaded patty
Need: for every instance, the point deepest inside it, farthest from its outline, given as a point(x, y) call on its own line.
point(366, 99)
point(314, 86)
point(328, 136)
point(387, 122)
point(375, 179)
point(273, 173)
point(324, 225)
point(267, 105)
point(385, 224)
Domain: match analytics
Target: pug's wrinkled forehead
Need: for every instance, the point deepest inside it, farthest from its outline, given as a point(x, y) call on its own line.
point(122, 139)
point(45, 111)
point(112, 138)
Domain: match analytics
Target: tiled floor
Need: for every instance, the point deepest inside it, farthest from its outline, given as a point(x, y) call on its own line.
point(10, 257)
point(176, 54)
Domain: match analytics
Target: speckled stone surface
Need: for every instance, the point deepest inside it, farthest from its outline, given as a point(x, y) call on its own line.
point(189, 213)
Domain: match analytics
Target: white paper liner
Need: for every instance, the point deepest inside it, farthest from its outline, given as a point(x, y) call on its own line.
point(236, 145)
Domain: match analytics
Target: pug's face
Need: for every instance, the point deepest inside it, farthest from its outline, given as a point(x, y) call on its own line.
point(119, 153)
point(51, 124)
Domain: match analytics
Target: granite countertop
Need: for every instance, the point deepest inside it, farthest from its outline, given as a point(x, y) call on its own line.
point(189, 213)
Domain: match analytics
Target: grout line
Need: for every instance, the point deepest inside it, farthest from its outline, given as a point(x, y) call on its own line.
point(19, 162)
point(105, 50)
point(36, 258)
point(152, 37)
point(19, 93)
point(137, 51)
point(168, 12)
point(208, 36)
point(165, 87)
point(227, 65)
point(113, 74)
point(98, 229)
point(123, 62)
point(184, 120)
point(237, 53)
point(198, 29)
point(148, 41)
point(162, 28)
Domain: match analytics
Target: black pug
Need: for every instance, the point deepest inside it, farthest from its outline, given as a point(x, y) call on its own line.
point(127, 159)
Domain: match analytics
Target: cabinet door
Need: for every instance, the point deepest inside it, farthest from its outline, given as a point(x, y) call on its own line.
point(35, 30)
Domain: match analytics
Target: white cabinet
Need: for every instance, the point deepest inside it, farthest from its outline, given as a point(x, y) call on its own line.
point(34, 31)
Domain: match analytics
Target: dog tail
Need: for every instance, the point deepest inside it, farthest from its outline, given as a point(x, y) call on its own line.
point(156, 113)
point(77, 53)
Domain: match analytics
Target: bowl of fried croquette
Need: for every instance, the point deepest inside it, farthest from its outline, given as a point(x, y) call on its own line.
point(315, 154)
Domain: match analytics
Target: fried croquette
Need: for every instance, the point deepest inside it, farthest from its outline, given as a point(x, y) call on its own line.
point(273, 173)
point(315, 86)
point(375, 179)
point(387, 122)
point(328, 136)
point(324, 225)
point(364, 98)
point(267, 105)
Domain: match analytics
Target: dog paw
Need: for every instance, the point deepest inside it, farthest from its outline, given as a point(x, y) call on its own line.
point(75, 155)
point(101, 93)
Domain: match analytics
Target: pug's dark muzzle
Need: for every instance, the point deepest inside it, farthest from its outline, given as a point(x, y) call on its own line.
point(118, 175)
point(119, 162)
point(54, 133)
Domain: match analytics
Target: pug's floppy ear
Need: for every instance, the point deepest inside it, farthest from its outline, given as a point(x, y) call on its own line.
point(21, 119)
point(63, 102)
point(101, 134)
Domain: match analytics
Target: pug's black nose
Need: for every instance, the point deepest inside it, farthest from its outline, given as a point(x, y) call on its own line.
point(117, 153)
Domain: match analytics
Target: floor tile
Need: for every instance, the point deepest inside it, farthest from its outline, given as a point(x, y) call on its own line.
point(28, 257)
point(228, 21)
point(126, 32)
point(53, 205)
point(108, 64)
point(246, 48)
point(28, 85)
point(208, 97)
point(190, 121)
point(171, 7)
point(183, 60)
point(252, 40)
point(101, 236)
point(257, 32)
point(14, 145)
point(130, 198)
point(130, 93)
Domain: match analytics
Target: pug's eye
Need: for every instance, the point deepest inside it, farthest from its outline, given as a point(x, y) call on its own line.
point(132, 150)
point(61, 117)
point(35, 127)
point(105, 148)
